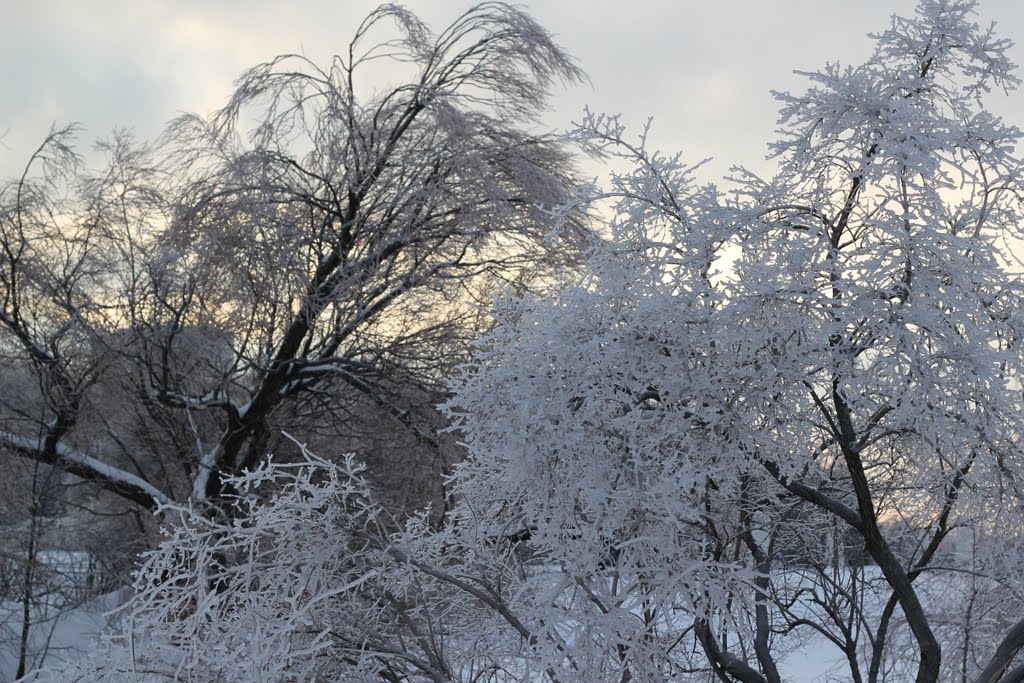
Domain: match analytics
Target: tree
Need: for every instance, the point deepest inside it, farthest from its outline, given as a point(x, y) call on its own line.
point(860, 361)
point(182, 306)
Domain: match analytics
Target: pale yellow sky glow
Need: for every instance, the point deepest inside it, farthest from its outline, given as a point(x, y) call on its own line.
point(703, 69)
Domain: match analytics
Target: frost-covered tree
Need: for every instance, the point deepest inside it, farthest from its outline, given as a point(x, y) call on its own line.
point(305, 258)
point(857, 365)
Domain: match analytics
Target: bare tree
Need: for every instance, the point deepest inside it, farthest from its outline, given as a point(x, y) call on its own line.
point(309, 256)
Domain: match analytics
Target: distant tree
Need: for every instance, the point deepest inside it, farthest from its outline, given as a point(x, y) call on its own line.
point(308, 258)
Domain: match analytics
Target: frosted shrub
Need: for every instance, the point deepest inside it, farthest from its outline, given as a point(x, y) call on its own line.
point(254, 595)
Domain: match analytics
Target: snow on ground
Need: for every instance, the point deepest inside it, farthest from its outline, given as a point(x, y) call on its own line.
point(72, 634)
point(57, 634)
point(818, 661)
point(69, 635)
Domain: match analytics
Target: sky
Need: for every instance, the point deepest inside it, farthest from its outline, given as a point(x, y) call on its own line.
point(702, 69)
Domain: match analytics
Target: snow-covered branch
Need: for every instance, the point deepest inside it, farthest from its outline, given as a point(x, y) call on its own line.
point(75, 462)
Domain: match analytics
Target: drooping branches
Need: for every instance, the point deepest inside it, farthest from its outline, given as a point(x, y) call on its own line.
point(311, 256)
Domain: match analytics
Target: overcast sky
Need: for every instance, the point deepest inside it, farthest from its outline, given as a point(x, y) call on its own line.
point(702, 68)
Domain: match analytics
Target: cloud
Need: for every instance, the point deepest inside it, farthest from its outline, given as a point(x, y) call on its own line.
point(702, 69)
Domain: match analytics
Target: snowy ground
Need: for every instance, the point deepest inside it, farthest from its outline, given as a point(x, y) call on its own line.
point(56, 635)
point(72, 634)
point(817, 662)
point(75, 633)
